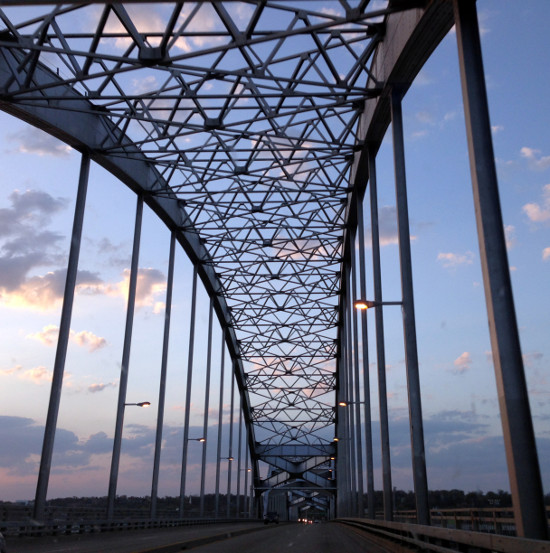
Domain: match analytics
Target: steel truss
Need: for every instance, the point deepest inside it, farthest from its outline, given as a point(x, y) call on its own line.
point(248, 112)
point(247, 126)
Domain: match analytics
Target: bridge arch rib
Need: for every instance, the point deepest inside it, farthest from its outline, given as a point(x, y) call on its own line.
point(257, 164)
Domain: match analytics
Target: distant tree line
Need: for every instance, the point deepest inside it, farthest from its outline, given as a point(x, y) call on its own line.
point(453, 499)
point(403, 500)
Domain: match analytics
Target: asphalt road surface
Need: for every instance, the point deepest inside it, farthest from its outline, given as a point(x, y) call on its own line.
point(230, 538)
point(325, 537)
point(163, 540)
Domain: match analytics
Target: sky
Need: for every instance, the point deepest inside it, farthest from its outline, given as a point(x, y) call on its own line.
point(464, 447)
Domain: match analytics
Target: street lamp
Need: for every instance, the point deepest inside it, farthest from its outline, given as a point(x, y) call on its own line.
point(346, 403)
point(140, 404)
point(367, 304)
point(115, 457)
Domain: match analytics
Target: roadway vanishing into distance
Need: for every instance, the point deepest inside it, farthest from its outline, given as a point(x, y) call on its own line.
point(254, 537)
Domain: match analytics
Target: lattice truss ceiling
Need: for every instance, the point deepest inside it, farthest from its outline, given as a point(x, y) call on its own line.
point(249, 110)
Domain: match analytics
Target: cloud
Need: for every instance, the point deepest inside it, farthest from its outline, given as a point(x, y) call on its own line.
point(150, 283)
point(509, 233)
point(497, 128)
point(29, 210)
point(38, 375)
point(31, 140)
point(535, 160)
point(455, 441)
point(43, 292)
point(88, 339)
point(99, 387)
point(539, 212)
point(453, 260)
point(462, 363)
point(49, 334)
point(144, 85)
point(546, 254)
point(387, 224)
point(24, 249)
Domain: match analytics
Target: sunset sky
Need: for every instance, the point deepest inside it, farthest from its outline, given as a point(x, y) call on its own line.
point(464, 445)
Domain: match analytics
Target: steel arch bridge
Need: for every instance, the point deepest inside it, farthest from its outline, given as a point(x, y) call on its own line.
point(253, 135)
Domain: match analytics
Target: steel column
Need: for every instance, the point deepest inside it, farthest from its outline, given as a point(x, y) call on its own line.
point(340, 422)
point(519, 436)
point(409, 325)
point(163, 371)
point(245, 487)
point(239, 451)
point(379, 325)
point(206, 405)
point(188, 391)
point(366, 371)
point(220, 423)
point(357, 395)
point(350, 412)
point(125, 365)
point(62, 341)
point(229, 465)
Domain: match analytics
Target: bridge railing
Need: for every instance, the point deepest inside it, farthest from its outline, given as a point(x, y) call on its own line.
point(17, 520)
point(445, 540)
point(496, 520)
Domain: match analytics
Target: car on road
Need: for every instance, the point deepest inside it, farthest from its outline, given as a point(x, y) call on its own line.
point(271, 516)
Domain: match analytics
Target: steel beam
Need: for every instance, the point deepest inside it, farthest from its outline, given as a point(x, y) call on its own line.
point(188, 392)
point(163, 372)
point(379, 325)
point(125, 363)
point(409, 324)
point(519, 436)
point(62, 342)
point(206, 405)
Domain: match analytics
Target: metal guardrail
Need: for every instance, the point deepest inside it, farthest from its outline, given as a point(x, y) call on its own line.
point(32, 528)
point(496, 520)
point(446, 540)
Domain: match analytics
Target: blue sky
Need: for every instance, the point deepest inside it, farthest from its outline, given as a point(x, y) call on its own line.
point(463, 434)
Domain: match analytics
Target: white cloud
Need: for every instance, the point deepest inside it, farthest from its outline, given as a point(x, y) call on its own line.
point(539, 212)
point(49, 334)
point(88, 339)
point(453, 260)
point(42, 292)
point(546, 254)
point(100, 386)
point(536, 161)
point(387, 224)
point(462, 363)
point(31, 140)
point(38, 375)
point(147, 84)
point(150, 283)
point(497, 128)
point(509, 232)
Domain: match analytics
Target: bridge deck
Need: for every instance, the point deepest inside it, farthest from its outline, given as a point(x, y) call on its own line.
point(158, 540)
